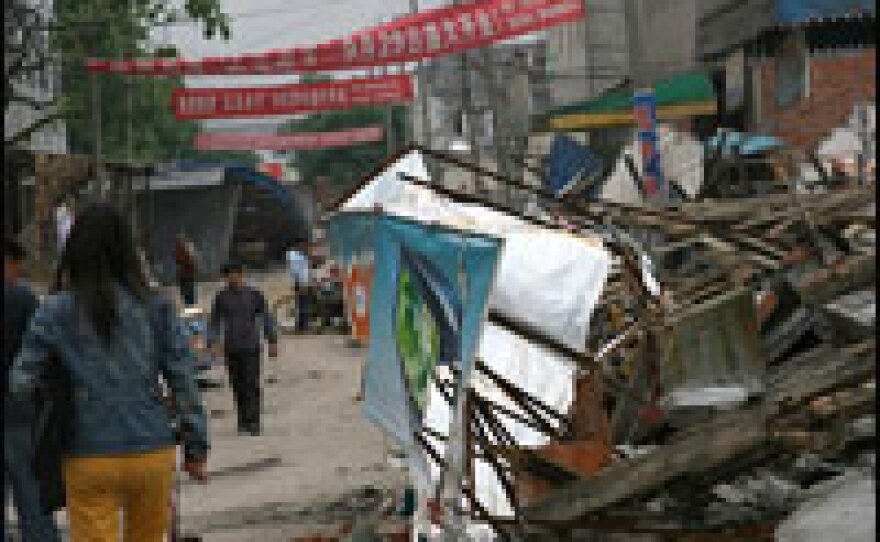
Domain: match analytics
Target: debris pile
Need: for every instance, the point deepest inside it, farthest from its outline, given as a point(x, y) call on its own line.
point(723, 374)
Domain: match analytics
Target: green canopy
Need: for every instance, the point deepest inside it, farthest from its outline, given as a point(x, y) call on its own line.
point(682, 96)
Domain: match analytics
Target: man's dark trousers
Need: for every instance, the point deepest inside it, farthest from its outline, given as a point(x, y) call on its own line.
point(188, 292)
point(244, 377)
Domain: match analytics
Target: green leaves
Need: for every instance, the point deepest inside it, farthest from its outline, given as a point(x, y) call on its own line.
point(208, 11)
point(120, 29)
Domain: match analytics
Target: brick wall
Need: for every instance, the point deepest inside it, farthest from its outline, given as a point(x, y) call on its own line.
point(837, 81)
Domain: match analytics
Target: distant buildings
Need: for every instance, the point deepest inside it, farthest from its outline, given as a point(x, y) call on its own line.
point(500, 95)
point(586, 58)
point(796, 69)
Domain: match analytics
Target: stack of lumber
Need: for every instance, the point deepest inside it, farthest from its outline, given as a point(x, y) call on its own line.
point(629, 463)
point(810, 261)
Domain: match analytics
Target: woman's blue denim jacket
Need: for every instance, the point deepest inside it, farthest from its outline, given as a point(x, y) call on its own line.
point(116, 395)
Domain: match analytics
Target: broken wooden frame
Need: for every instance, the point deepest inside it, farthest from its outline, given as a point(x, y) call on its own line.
point(724, 237)
point(485, 428)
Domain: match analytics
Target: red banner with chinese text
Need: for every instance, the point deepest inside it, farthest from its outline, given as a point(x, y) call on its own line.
point(241, 141)
point(428, 34)
point(218, 103)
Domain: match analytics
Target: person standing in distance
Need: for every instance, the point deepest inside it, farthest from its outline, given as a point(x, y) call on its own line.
point(20, 416)
point(186, 262)
point(235, 314)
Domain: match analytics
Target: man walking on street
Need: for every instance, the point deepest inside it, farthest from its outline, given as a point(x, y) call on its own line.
point(19, 419)
point(235, 314)
point(300, 270)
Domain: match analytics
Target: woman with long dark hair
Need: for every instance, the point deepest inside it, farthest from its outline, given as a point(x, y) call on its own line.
point(114, 339)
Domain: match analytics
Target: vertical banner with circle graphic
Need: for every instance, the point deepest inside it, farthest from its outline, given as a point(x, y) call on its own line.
point(428, 301)
point(645, 110)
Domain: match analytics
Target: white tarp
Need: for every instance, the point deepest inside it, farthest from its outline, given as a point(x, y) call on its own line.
point(682, 157)
point(548, 279)
point(551, 281)
point(843, 146)
point(537, 371)
point(388, 187)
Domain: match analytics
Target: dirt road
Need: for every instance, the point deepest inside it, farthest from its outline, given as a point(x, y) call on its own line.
point(318, 462)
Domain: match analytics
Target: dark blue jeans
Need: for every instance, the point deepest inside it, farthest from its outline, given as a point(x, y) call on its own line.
point(18, 447)
point(303, 302)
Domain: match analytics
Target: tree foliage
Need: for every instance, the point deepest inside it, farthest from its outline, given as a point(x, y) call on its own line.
point(82, 29)
point(345, 166)
point(26, 54)
point(122, 29)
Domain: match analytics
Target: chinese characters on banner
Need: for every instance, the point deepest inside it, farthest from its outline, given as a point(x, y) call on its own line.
point(238, 141)
point(645, 110)
point(424, 35)
point(211, 103)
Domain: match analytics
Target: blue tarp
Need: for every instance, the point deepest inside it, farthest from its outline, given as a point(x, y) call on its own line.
point(747, 144)
point(798, 11)
point(570, 163)
point(284, 196)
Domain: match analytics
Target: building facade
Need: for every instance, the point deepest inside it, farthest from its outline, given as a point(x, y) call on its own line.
point(795, 69)
point(586, 58)
point(811, 78)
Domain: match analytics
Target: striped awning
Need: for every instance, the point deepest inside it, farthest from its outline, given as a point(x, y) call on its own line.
point(683, 96)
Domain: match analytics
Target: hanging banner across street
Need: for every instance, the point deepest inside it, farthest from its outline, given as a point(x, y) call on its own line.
point(216, 103)
point(242, 141)
point(428, 34)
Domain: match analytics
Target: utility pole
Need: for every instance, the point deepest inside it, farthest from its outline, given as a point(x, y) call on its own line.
point(468, 123)
point(129, 144)
point(452, 481)
point(96, 115)
point(633, 24)
point(422, 69)
point(588, 51)
point(589, 60)
point(131, 207)
point(389, 110)
point(643, 93)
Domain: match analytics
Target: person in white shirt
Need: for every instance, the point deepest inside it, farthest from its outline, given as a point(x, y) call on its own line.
point(63, 224)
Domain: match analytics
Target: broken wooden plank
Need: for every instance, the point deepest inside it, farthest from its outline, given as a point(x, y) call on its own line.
point(707, 446)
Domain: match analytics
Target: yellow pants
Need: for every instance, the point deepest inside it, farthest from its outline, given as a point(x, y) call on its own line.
point(137, 485)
